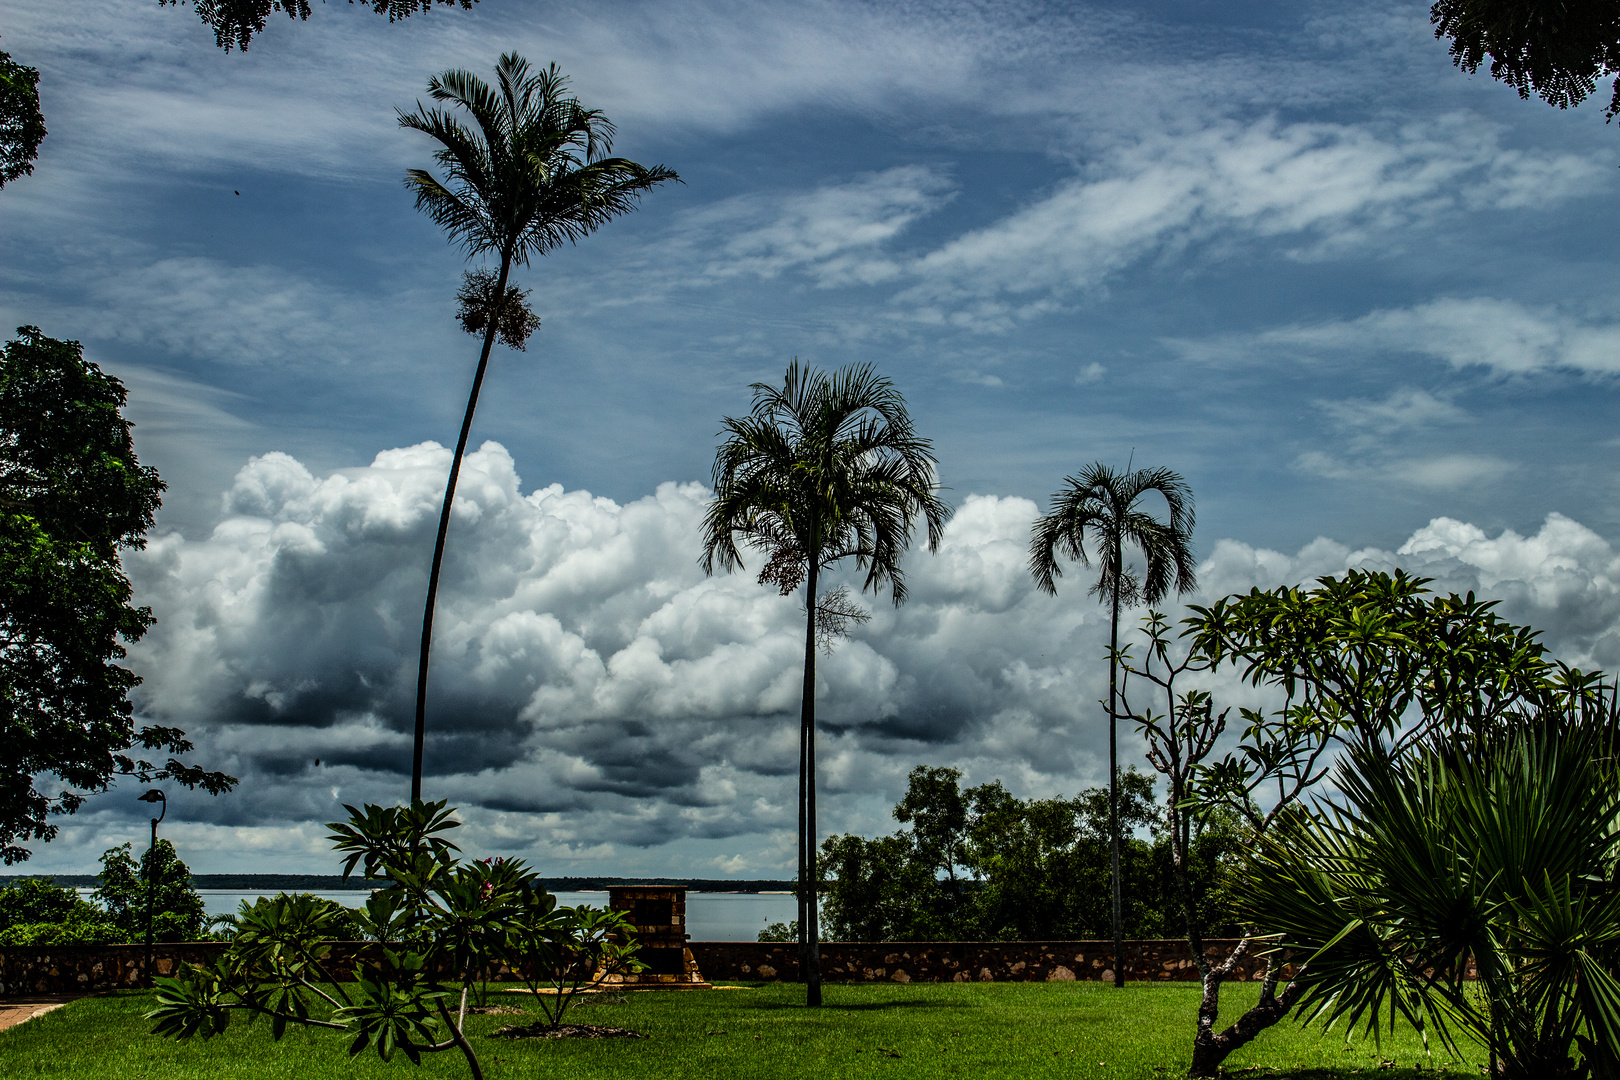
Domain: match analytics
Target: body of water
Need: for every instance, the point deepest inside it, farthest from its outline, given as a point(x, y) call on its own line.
point(709, 916)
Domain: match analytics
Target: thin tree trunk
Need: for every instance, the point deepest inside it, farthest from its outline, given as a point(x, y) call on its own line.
point(810, 953)
point(462, 1044)
point(1113, 781)
point(444, 527)
point(1211, 1048)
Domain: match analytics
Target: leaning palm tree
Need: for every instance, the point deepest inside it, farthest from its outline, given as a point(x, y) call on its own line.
point(824, 468)
point(1102, 504)
point(533, 174)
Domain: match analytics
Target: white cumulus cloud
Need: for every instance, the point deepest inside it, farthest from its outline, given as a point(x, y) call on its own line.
point(596, 700)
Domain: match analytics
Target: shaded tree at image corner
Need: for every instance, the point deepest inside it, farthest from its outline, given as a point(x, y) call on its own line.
point(1103, 505)
point(22, 125)
point(1555, 49)
point(824, 468)
point(73, 498)
point(533, 173)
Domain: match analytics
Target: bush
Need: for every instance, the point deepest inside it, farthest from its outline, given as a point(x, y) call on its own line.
point(442, 928)
point(177, 911)
point(37, 911)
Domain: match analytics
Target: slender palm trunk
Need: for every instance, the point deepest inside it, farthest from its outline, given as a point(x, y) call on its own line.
point(803, 897)
point(810, 949)
point(1113, 779)
point(444, 527)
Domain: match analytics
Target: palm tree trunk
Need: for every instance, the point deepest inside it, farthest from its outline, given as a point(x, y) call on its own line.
point(810, 948)
point(803, 916)
point(444, 527)
point(1113, 779)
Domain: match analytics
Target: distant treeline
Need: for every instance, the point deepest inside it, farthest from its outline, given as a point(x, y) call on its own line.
point(273, 883)
point(269, 883)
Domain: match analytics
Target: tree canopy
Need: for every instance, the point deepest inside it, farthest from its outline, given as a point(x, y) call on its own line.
point(1555, 49)
point(234, 22)
point(73, 496)
point(22, 125)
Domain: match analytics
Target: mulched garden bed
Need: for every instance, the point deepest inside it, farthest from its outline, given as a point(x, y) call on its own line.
point(567, 1031)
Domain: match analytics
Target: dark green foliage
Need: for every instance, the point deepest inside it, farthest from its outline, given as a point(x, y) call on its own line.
point(1556, 49)
point(36, 911)
point(124, 894)
point(22, 125)
point(780, 931)
point(1371, 664)
point(234, 22)
point(442, 927)
point(1504, 858)
point(535, 172)
point(1374, 660)
point(1018, 869)
point(72, 497)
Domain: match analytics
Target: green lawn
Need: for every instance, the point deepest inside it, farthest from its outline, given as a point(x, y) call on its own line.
point(1013, 1030)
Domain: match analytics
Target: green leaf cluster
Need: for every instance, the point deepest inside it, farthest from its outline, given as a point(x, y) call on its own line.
point(235, 22)
point(1556, 50)
point(37, 911)
point(1501, 862)
point(160, 883)
point(22, 125)
point(441, 930)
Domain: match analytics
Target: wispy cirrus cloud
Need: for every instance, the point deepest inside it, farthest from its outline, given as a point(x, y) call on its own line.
point(1318, 188)
point(1504, 337)
point(835, 234)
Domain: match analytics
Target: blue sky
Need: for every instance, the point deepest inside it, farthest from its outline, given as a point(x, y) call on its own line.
point(1361, 301)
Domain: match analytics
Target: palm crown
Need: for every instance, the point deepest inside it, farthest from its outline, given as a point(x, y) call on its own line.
point(533, 173)
point(823, 468)
point(1101, 503)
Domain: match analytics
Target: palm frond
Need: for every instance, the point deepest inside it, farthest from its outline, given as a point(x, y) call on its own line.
point(826, 467)
point(532, 171)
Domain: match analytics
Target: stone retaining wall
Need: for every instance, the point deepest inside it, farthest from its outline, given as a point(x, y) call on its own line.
point(67, 969)
point(963, 961)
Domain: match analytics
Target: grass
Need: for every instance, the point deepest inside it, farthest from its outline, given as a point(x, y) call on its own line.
point(1012, 1030)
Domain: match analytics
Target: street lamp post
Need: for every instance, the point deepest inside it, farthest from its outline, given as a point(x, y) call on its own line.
point(152, 796)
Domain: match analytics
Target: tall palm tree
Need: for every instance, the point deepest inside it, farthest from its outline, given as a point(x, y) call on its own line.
point(533, 173)
point(1102, 504)
point(824, 468)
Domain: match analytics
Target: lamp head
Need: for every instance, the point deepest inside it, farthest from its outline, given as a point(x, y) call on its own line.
point(153, 795)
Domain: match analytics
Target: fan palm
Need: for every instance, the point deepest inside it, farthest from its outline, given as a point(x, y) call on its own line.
point(1102, 504)
point(1498, 862)
point(532, 173)
point(824, 468)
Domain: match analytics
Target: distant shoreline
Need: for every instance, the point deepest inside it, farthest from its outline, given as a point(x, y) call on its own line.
point(274, 883)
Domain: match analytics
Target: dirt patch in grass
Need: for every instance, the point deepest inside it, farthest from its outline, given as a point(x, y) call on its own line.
point(495, 1010)
point(567, 1031)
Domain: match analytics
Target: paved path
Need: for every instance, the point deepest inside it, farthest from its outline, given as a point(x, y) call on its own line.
point(14, 1011)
